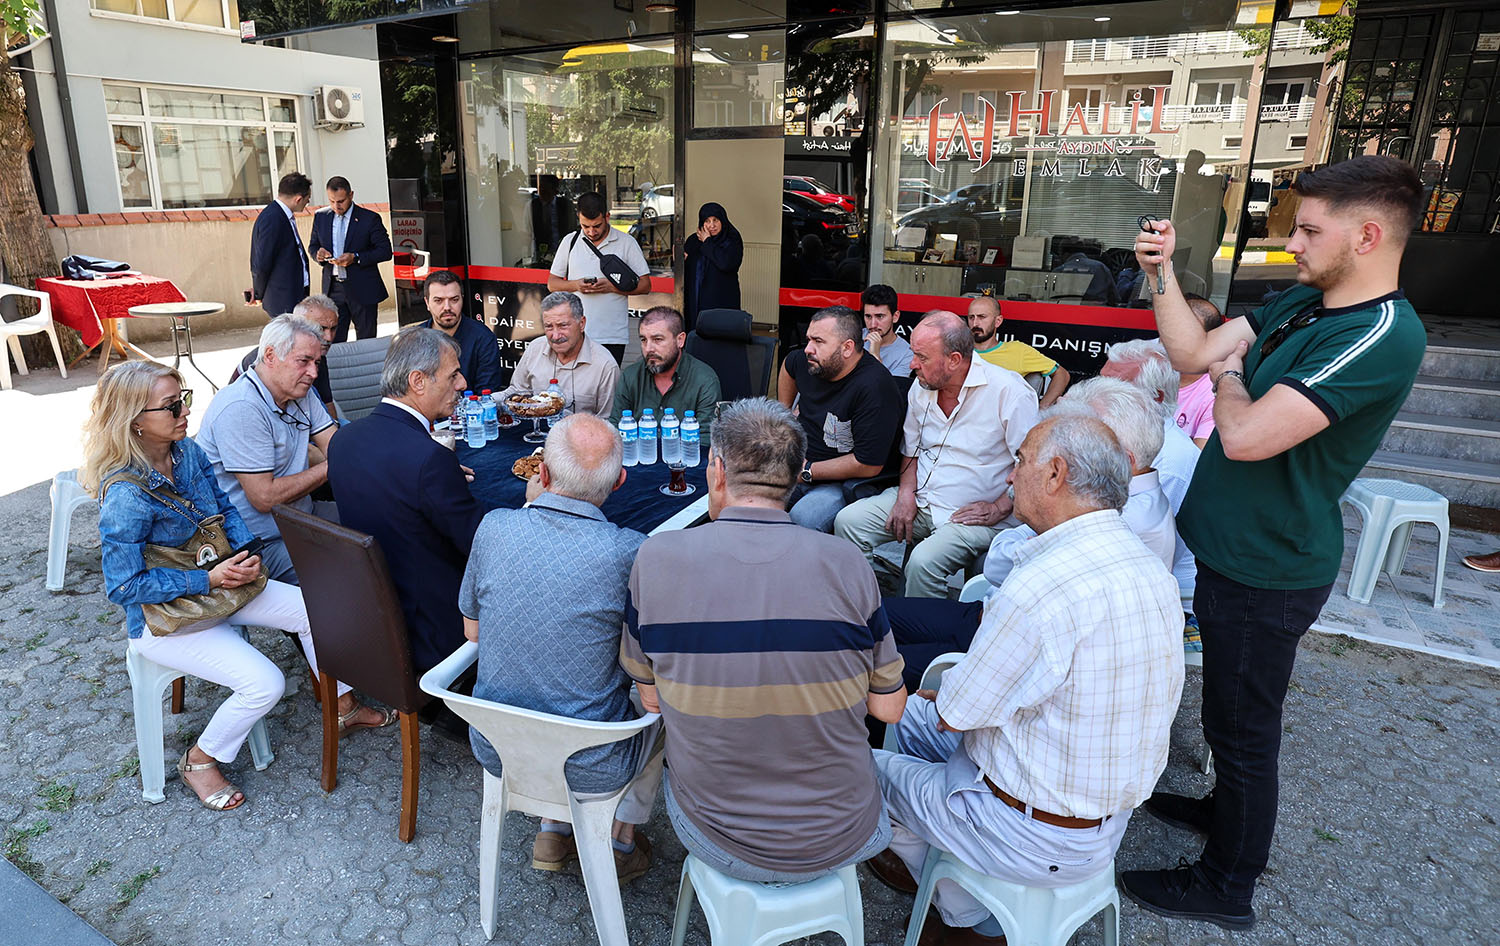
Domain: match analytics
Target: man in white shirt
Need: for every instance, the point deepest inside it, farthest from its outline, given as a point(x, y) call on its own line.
point(1027, 764)
point(925, 628)
point(585, 371)
point(964, 420)
point(576, 269)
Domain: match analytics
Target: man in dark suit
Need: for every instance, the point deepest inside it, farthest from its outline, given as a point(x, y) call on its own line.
point(552, 218)
point(393, 481)
point(350, 243)
point(278, 261)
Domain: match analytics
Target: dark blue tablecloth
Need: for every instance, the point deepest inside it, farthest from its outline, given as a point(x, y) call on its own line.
point(636, 505)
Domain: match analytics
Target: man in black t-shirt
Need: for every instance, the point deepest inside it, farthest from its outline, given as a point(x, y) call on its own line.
point(850, 409)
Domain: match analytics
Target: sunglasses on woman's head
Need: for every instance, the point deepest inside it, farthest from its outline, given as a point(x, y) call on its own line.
point(182, 403)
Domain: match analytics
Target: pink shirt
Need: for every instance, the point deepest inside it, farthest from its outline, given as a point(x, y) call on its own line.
point(1195, 408)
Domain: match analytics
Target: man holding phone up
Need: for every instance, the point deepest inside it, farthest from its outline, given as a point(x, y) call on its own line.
point(577, 268)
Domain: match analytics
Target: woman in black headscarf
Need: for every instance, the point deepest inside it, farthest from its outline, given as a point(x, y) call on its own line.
point(714, 255)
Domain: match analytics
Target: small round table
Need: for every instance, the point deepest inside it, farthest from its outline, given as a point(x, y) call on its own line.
point(182, 334)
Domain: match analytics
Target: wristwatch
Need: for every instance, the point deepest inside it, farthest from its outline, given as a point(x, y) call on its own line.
point(1227, 374)
point(806, 474)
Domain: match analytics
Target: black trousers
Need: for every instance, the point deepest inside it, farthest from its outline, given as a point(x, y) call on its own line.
point(1250, 638)
point(359, 314)
point(925, 628)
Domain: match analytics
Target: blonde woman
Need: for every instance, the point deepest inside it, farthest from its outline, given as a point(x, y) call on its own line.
point(138, 427)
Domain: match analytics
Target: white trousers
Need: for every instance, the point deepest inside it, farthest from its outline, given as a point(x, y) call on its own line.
point(219, 655)
point(937, 796)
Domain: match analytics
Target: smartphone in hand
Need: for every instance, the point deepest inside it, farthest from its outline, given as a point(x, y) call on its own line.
point(253, 547)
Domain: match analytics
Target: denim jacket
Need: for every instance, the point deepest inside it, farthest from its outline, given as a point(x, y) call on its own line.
point(130, 519)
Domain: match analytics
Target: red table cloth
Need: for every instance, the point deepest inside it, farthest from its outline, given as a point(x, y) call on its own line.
point(80, 304)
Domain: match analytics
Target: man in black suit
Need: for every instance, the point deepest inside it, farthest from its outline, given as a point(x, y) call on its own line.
point(393, 481)
point(552, 218)
point(278, 261)
point(350, 243)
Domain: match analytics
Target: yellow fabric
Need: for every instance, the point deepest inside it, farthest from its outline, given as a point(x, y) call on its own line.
point(1020, 358)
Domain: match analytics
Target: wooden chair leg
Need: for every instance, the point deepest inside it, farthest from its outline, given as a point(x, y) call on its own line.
point(411, 771)
point(317, 690)
point(329, 698)
point(178, 689)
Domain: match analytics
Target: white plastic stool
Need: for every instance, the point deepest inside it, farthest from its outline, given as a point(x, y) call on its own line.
point(1388, 509)
point(148, 683)
point(67, 496)
point(1030, 916)
point(742, 913)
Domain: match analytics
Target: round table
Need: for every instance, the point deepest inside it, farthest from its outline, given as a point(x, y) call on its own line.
point(182, 333)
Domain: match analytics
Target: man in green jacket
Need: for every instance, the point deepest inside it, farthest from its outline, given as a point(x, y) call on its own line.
point(666, 376)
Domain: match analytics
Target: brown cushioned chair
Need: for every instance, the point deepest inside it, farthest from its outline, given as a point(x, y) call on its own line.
point(359, 632)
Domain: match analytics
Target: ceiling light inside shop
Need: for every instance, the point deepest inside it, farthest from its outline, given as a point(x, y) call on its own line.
point(1007, 12)
point(1101, 19)
point(737, 35)
point(950, 30)
point(661, 8)
point(445, 39)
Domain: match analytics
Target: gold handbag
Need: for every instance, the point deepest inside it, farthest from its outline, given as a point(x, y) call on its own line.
point(207, 545)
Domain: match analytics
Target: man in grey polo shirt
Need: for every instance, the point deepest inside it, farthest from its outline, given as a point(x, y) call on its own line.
point(576, 269)
point(256, 433)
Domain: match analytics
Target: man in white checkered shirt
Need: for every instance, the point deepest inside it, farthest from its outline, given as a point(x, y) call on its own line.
point(1028, 763)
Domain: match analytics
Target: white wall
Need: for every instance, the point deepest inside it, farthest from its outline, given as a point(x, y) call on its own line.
point(97, 48)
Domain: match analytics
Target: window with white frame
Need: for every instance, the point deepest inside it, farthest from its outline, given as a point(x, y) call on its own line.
point(1296, 142)
point(222, 14)
point(1233, 142)
point(190, 148)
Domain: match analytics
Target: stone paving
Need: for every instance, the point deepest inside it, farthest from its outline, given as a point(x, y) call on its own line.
point(1391, 790)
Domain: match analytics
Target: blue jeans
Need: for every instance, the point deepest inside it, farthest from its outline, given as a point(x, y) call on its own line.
point(725, 863)
point(1250, 638)
point(818, 506)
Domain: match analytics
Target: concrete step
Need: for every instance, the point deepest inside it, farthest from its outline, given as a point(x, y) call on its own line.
point(1445, 361)
point(1438, 435)
point(1468, 482)
point(1455, 397)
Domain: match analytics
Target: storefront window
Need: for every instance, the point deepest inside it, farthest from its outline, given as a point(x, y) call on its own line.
point(739, 79)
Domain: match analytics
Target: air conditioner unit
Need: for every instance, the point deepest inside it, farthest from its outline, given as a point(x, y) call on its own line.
point(339, 106)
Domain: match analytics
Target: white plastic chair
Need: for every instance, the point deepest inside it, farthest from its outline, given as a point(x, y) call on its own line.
point(148, 683)
point(743, 913)
point(974, 589)
point(932, 678)
point(533, 748)
point(1030, 916)
point(31, 325)
point(67, 496)
point(1388, 509)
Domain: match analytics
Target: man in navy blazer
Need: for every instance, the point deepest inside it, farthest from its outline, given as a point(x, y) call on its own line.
point(350, 243)
point(393, 481)
point(278, 262)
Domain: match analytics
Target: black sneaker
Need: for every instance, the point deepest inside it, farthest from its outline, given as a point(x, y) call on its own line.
point(1182, 811)
point(1182, 892)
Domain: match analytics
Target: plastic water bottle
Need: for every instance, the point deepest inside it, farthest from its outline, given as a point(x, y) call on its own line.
point(691, 448)
point(671, 442)
point(554, 389)
point(629, 446)
point(646, 441)
point(490, 415)
point(459, 418)
point(473, 423)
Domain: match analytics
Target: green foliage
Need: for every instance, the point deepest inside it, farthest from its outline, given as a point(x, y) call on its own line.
point(1258, 38)
point(132, 888)
point(59, 795)
point(1334, 32)
point(20, 18)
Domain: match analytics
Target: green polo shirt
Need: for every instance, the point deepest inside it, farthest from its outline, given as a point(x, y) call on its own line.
point(695, 387)
point(1275, 523)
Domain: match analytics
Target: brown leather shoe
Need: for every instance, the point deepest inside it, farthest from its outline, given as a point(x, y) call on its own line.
point(630, 866)
point(890, 870)
point(552, 851)
point(1484, 563)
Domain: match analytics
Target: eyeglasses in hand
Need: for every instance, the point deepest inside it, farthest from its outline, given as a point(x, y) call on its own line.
point(182, 403)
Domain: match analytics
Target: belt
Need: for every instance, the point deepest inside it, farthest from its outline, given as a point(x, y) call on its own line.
point(1045, 817)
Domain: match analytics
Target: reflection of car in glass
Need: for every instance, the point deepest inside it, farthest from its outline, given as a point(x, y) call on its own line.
point(800, 216)
point(991, 194)
point(969, 219)
point(812, 188)
point(916, 192)
point(657, 201)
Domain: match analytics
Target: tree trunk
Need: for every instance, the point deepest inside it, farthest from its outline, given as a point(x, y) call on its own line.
point(25, 249)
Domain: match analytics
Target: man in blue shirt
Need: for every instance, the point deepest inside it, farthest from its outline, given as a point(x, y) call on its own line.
point(479, 354)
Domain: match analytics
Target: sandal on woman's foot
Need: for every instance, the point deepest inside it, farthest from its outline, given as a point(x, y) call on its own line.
point(217, 801)
point(348, 725)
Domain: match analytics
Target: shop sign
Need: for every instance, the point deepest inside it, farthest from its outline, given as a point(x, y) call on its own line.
point(822, 145)
point(409, 230)
point(1119, 133)
point(1487, 43)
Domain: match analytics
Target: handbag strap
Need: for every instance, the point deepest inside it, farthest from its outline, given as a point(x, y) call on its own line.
point(166, 499)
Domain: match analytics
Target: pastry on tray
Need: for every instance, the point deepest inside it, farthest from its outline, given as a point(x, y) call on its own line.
point(527, 466)
point(540, 404)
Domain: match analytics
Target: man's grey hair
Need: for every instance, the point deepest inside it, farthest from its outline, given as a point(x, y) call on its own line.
point(319, 301)
point(1157, 377)
point(576, 471)
point(1133, 417)
point(415, 348)
point(762, 446)
point(556, 300)
point(1098, 470)
point(953, 331)
point(280, 335)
